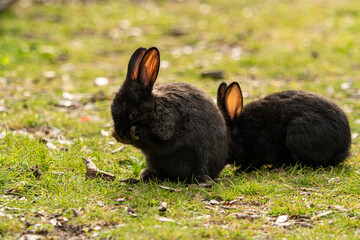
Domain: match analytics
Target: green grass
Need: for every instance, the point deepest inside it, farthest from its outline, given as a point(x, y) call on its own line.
point(267, 46)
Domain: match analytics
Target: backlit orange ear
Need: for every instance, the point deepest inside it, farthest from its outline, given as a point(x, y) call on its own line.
point(220, 95)
point(233, 100)
point(134, 63)
point(149, 67)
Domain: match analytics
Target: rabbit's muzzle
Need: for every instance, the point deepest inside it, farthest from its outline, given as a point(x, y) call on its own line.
point(133, 136)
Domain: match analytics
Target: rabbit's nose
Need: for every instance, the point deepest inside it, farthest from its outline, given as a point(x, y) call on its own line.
point(118, 135)
point(133, 135)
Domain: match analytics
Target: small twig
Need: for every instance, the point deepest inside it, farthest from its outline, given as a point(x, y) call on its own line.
point(93, 172)
point(118, 149)
point(170, 189)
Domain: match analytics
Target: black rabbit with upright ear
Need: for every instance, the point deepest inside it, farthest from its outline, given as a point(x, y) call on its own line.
point(284, 128)
point(177, 126)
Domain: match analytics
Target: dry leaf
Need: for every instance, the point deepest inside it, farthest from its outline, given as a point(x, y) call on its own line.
point(130, 211)
point(214, 202)
point(51, 146)
point(282, 219)
point(164, 219)
point(75, 212)
point(354, 135)
point(104, 133)
point(340, 208)
point(2, 135)
point(120, 200)
point(93, 172)
point(284, 224)
point(31, 237)
point(163, 207)
point(84, 119)
point(208, 216)
point(322, 214)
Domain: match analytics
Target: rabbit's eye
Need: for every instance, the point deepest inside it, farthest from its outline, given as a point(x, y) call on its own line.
point(132, 115)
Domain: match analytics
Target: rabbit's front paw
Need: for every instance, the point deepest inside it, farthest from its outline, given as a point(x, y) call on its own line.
point(147, 174)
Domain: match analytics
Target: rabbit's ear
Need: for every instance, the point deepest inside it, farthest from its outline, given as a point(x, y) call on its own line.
point(233, 100)
point(134, 63)
point(149, 67)
point(220, 95)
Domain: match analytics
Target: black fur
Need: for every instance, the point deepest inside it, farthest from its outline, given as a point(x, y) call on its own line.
point(286, 128)
point(176, 125)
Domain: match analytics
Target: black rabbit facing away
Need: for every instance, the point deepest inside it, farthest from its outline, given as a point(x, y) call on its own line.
point(283, 129)
point(177, 126)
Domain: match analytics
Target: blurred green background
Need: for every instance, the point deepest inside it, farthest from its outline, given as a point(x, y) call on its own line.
point(62, 61)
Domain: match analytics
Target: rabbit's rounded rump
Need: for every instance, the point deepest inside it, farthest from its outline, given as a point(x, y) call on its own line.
point(296, 126)
point(177, 126)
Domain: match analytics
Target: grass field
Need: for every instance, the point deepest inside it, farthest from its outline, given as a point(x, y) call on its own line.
point(55, 109)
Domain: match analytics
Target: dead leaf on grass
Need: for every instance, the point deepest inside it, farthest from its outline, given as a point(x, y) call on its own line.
point(51, 146)
point(163, 207)
point(206, 216)
point(5, 214)
point(76, 212)
point(320, 215)
point(282, 219)
point(40, 228)
point(308, 191)
point(354, 135)
point(284, 224)
point(84, 119)
point(120, 201)
point(4, 109)
point(104, 133)
point(130, 211)
point(31, 237)
point(93, 172)
point(340, 208)
point(164, 219)
point(58, 173)
point(214, 202)
point(2, 135)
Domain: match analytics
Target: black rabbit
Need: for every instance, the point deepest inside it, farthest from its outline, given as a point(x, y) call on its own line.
point(283, 129)
point(177, 126)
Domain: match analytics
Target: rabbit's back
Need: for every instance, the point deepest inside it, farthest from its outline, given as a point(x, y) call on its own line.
point(188, 108)
point(294, 126)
